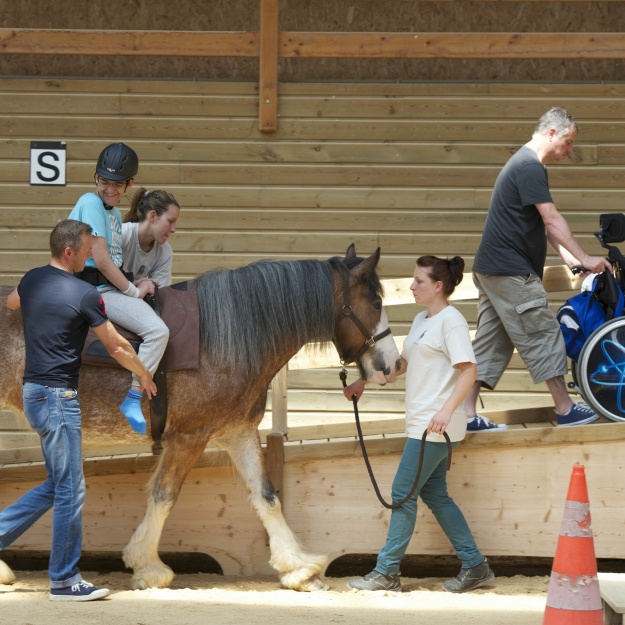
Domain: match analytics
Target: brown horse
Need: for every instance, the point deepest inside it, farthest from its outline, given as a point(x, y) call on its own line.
point(253, 320)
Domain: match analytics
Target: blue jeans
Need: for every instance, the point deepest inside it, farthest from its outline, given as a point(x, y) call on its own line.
point(54, 413)
point(432, 488)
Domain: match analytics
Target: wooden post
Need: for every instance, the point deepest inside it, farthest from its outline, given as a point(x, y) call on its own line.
point(274, 456)
point(275, 441)
point(274, 461)
point(268, 67)
point(279, 390)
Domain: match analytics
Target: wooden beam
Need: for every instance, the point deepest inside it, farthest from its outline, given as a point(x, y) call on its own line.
point(302, 452)
point(127, 42)
point(274, 461)
point(268, 67)
point(477, 1)
point(279, 408)
point(453, 45)
point(315, 44)
point(518, 437)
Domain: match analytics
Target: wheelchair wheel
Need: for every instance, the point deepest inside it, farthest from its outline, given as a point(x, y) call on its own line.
point(600, 371)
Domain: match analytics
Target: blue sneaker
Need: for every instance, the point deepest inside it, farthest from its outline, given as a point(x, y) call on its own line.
point(480, 423)
point(579, 414)
point(82, 591)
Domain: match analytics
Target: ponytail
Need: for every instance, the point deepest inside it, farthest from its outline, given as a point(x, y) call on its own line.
point(144, 201)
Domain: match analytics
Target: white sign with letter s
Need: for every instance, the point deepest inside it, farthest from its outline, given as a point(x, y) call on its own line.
point(47, 162)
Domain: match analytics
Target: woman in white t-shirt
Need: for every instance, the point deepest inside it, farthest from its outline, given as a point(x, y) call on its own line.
point(440, 369)
point(146, 251)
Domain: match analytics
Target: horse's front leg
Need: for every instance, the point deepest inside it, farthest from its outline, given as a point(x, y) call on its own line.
point(298, 570)
point(6, 574)
point(180, 453)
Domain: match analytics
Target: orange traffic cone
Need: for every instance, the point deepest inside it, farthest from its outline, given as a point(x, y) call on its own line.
point(573, 596)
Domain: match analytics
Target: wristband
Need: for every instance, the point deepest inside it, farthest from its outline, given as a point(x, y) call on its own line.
point(132, 290)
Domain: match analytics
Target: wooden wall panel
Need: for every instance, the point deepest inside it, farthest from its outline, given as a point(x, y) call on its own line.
point(512, 495)
point(407, 167)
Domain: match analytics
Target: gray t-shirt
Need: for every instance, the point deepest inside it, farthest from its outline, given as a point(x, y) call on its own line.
point(155, 264)
point(514, 241)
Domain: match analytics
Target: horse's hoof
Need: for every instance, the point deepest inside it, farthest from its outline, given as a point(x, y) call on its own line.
point(6, 574)
point(156, 575)
point(312, 584)
point(141, 583)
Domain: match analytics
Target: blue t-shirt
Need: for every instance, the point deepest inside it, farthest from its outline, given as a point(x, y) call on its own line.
point(105, 222)
point(58, 310)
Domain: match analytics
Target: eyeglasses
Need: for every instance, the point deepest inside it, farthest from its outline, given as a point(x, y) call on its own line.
point(105, 184)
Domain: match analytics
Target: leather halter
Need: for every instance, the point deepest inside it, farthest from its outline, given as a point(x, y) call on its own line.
point(348, 312)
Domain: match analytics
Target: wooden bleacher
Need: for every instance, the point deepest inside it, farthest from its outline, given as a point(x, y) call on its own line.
point(408, 167)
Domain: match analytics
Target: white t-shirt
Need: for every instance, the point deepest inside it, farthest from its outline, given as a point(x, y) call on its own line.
point(432, 348)
point(155, 264)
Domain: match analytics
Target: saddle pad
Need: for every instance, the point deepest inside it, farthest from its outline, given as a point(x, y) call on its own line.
point(180, 312)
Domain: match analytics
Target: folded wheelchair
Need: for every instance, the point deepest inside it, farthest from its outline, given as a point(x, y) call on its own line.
point(599, 373)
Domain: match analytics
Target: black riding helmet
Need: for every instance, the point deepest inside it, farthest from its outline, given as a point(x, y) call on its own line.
point(117, 162)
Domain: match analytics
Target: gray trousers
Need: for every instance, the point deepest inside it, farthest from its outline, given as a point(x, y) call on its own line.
point(513, 312)
point(137, 316)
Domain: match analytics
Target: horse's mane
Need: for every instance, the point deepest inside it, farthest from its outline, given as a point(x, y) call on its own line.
point(250, 314)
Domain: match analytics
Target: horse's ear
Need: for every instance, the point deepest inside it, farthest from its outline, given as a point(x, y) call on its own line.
point(351, 251)
point(368, 265)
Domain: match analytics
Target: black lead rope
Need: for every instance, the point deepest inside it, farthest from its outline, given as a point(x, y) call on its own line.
point(393, 506)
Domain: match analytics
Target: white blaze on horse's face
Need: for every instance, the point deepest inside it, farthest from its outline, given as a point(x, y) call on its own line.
point(381, 362)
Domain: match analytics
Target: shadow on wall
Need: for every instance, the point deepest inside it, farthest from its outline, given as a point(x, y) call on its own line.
point(417, 566)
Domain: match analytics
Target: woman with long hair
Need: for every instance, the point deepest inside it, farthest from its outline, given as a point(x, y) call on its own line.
point(146, 229)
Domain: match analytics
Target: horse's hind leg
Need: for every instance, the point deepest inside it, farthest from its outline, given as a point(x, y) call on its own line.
point(6, 574)
point(298, 570)
point(141, 554)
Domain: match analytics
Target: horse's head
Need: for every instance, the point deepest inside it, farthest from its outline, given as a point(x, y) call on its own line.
point(362, 333)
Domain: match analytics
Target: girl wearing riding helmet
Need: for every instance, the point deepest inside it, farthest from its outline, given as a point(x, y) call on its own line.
point(147, 225)
point(114, 175)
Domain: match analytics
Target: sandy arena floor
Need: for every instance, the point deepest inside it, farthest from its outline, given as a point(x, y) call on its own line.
point(201, 599)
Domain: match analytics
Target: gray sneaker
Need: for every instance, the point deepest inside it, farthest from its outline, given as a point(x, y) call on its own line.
point(471, 578)
point(376, 581)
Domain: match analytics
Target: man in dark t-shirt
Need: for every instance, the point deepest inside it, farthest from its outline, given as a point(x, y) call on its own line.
point(58, 310)
point(508, 269)
point(514, 241)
